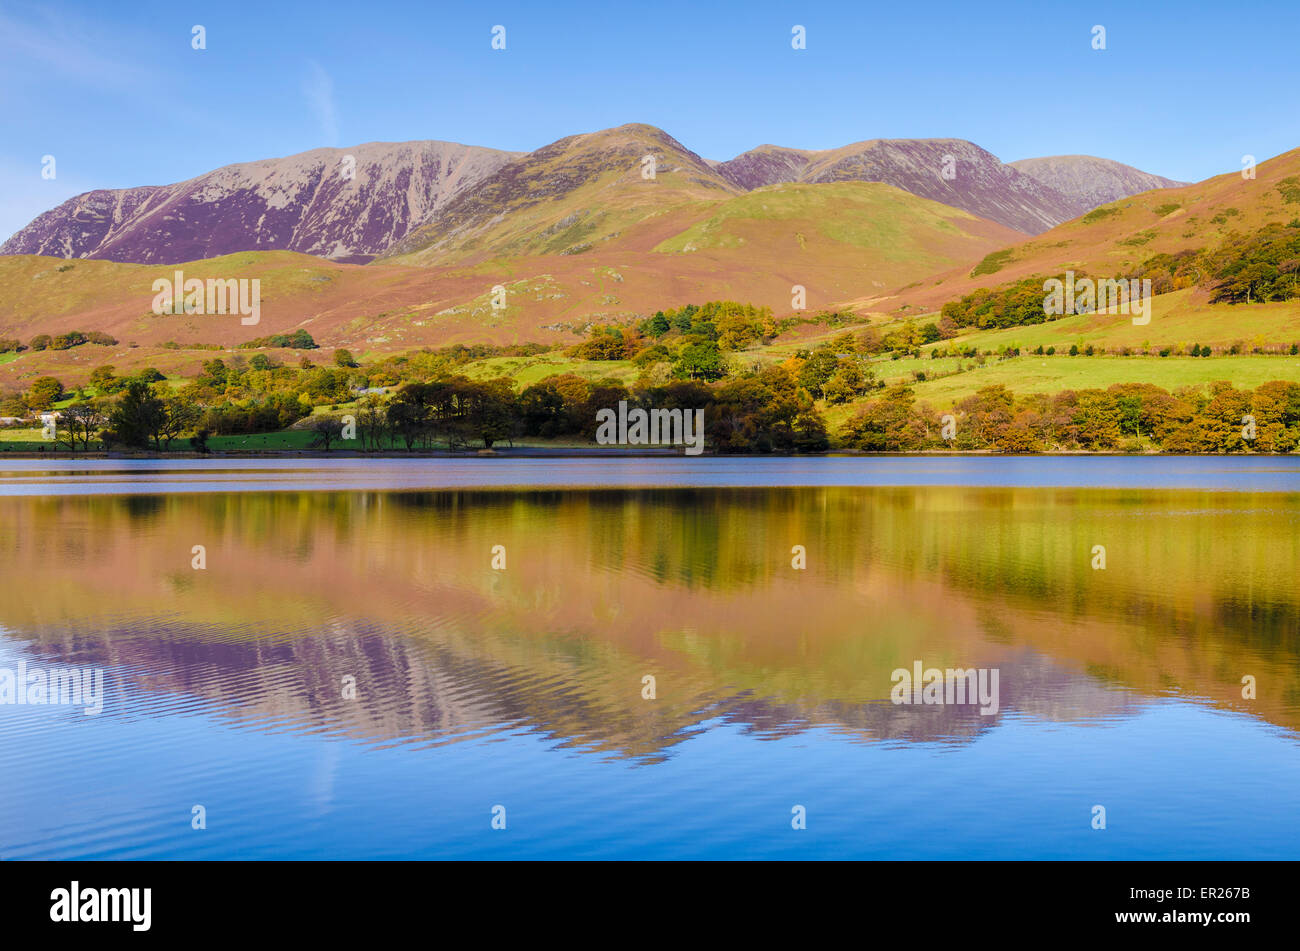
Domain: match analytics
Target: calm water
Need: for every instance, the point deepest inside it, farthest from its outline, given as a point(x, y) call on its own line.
point(522, 688)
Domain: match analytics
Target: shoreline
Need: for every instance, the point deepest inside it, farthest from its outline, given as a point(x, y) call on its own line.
point(604, 453)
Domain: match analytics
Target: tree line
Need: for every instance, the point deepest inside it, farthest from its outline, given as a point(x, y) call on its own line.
point(1253, 267)
point(1123, 417)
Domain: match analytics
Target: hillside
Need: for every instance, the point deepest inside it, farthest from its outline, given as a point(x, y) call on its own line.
point(845, 235)
point(835, 240)
point(1115, 239)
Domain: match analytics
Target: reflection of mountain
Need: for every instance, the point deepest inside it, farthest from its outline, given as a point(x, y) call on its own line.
point(407, 690)
point(693, 587)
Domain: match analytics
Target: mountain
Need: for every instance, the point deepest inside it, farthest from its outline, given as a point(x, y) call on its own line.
point(306, 202)
point(1115, 239)
point(1030, 199)
point(765, 165)
point(588, 189)
point(1096, 181)
point(567, 197)
point(439, 202)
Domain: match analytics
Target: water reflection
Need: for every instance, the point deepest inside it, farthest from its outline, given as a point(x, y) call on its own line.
point(694, 587)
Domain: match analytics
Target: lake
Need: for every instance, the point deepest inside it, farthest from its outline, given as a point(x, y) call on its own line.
point(381, 658)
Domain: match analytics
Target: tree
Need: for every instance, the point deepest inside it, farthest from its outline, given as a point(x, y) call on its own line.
point(890, 424)
point(372, 423)
point(542, 410)
point(81, 422)
point(139, 416)
point(1096, 419)
point(657, 325)
point(179, 415)
point(67, 341)
point(490, 410)
point(11, 404)
point(701, 361)
point(817, 371)
point(343, 358)
point(215, 370)
point(327, 430)
point(45, 391)
point(102, 376)
point(847, 383)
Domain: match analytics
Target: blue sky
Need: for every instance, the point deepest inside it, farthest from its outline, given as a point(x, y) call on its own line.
point(118, 96)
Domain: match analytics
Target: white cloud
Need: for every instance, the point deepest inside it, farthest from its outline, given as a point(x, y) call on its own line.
point(318, 88)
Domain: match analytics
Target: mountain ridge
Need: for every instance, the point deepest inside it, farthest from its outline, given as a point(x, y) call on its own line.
point(428, 200)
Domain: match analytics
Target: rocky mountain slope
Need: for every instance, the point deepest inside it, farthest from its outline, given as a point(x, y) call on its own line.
point(1093, 180)
point(342, 204)
point(1029, 196)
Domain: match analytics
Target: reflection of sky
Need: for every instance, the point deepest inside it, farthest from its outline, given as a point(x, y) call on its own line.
point(1178, 781)
point(106, 476)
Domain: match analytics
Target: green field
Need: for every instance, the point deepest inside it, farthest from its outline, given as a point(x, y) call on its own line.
point(901, 370)
point(1034, 374)
point(288, 439)
point(25, 440)
point(526, 371)
point(1176, 320)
